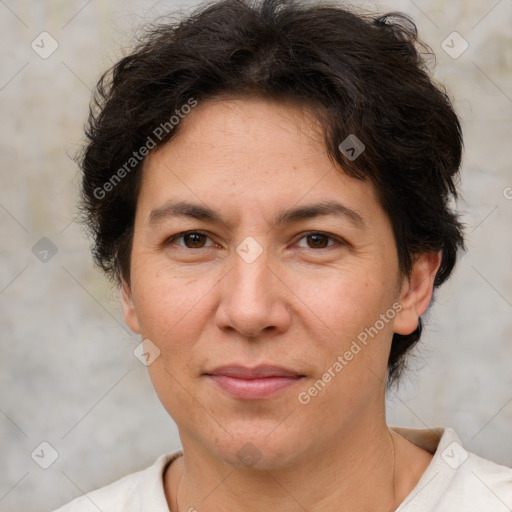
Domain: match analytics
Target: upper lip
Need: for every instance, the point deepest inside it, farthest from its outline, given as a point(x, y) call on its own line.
point(261, 371)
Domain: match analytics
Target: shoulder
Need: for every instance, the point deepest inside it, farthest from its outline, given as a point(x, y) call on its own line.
point(456, 480)
point(132, 493)
point(478, 483)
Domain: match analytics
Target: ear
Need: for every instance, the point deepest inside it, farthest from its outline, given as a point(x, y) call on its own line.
point(416, 292)
point(130, 314)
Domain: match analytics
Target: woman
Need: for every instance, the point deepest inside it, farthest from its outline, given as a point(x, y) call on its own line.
point(269, 184)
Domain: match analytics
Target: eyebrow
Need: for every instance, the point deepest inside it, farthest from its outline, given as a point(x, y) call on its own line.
point(201, 212)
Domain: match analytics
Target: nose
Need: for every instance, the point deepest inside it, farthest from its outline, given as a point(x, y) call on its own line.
point(253, 300)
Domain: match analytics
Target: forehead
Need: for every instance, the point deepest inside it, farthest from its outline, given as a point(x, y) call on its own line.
point(252, 155)
point(248, 131)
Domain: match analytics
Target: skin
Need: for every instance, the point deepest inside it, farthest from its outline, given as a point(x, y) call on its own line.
point(299, 304)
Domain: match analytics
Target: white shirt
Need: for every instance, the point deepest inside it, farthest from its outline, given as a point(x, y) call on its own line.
point(454, 481)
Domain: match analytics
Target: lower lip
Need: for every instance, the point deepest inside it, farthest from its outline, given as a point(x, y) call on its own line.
point(253, 389)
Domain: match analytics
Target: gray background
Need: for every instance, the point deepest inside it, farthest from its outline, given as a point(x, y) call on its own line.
point(68, 374)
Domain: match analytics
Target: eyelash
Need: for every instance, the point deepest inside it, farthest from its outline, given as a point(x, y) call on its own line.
point(309, 233)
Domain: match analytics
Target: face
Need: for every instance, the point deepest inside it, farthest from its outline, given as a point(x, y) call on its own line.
point(273, 257)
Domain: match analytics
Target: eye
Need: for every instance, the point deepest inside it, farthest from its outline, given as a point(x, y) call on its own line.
point(197, 240)
point(192, 239)
point(318, 240)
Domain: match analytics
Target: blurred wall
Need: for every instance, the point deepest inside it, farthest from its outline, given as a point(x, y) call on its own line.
point(68, 374)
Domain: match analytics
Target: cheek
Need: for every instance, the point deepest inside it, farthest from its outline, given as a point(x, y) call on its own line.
point(349, 323)
point(347, 300)
point(172, 314)
point(171, 310)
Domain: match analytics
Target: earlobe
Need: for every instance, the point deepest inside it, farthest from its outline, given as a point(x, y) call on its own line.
point(416, 292)
point(129, 312)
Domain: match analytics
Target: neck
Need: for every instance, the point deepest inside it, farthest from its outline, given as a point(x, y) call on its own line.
point(356, 471)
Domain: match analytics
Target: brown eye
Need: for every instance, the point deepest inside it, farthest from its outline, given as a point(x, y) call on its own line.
point(195, 240)
point(191, 239)
point(317, 241)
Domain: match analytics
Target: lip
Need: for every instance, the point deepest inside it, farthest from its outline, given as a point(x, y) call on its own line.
point(256, 383)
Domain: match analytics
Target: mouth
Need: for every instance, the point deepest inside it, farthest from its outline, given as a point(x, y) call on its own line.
point(256, 383)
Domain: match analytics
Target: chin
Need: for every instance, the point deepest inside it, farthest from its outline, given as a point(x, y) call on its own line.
point(258, 450)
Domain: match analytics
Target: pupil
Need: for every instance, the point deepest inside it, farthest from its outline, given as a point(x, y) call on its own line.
point(317, 237)
point(194, 238)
